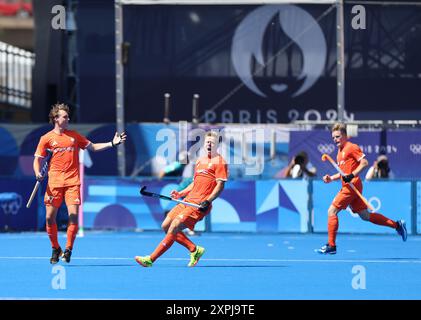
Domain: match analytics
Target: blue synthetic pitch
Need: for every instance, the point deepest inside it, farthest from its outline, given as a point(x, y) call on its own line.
point(235, 266)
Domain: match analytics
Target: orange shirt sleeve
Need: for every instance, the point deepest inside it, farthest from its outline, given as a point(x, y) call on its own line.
point(82, 141)
point(357, 153)
point(42, 147)
point(221, 172)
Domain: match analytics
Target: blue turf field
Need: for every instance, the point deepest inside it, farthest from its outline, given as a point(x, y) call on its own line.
point(235, 266)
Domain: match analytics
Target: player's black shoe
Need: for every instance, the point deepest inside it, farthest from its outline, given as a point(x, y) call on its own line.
point(401, 229)
point(66, 255)
point(327, 249)
point(55, 256)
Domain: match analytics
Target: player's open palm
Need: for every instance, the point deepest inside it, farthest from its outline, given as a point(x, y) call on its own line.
point(119, 138)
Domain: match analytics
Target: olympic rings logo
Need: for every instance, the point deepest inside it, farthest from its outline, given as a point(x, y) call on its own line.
point(374, 202)
point(12, 206)
point(326, 148)
point(415, 148)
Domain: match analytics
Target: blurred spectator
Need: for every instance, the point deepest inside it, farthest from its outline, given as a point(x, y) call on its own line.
point(176, 168)
point(18, 8)
point(380, 169)
point(299, 167)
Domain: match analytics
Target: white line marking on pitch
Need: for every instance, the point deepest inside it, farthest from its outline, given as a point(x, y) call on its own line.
point(236, 260)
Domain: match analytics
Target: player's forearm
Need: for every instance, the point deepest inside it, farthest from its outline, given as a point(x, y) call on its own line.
point(216, 191)
point(361, 166)
point(336, 176)
point(186, 191)
point(100, 146)
point(37, 166)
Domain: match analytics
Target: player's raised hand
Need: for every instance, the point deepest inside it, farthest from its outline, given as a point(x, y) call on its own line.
point(327, 178)
point(119, 138)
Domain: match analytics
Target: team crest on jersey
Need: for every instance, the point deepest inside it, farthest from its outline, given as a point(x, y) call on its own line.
point(72, 139)
point(54, 143)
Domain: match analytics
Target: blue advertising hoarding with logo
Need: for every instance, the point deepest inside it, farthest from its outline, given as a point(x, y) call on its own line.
point(14, 216)
point(282, 206)
point(418, 200)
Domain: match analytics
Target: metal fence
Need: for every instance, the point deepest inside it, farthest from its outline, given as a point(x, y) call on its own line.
point(15, 75)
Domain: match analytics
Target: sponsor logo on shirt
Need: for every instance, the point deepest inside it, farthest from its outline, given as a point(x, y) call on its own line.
point(64, 149)
point(204, 171)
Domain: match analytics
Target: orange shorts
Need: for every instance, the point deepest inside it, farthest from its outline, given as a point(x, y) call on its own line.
point(187, 215)
point(347, 197)
point(54, 196)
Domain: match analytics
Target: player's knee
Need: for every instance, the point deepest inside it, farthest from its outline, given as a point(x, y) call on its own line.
point(174, 227)
point(332, 211)
point(73, 218)
point(50, 220)
point(165, 225)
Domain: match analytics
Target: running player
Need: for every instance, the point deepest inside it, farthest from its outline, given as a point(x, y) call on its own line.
point(352, 161)
point(210, 175)
point(63, 175)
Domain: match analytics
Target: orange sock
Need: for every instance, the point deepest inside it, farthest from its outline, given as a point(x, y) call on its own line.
point(163, 246)
point(52, 234)
point(332, 229)
point(182, 239)
point(380, 219)
point(71, 235)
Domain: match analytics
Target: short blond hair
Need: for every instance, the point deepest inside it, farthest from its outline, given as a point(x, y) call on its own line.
point(339, 127)
point(212, 134)
point(55, 109)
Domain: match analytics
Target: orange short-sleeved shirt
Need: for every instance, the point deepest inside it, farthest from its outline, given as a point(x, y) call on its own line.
point(349, 158)
point(206, 173)
point(63, 169)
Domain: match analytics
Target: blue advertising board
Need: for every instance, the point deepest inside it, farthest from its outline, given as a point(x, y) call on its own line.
point(14, 216)
point(282, 206)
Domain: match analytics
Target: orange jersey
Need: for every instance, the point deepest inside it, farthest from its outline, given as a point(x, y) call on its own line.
point(349, 158)
point(63, 169)
point(206, 173)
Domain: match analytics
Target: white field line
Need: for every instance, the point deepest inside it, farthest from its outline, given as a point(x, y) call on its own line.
point(234, 260)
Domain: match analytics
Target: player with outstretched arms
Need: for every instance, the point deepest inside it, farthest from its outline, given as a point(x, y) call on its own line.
point(63, 175)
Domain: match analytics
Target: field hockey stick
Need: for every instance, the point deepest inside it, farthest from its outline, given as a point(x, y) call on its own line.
point(38, 183)
point(329, 158)
point(145, 193)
